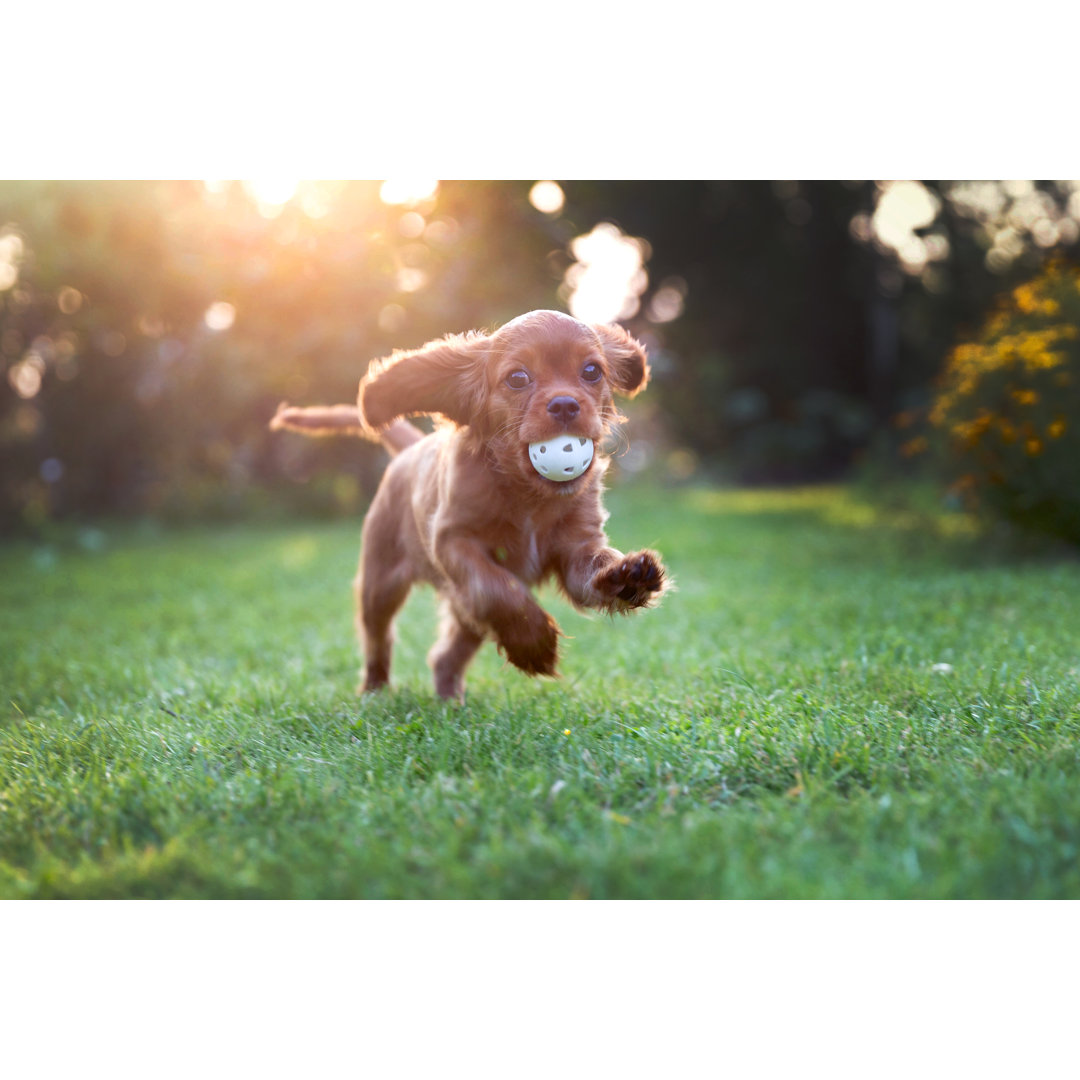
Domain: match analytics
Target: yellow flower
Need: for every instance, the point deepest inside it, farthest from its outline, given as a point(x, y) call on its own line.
point(1057, 428)
point(1043, 360)
point(566, 731)
point(1025, 397)
point(969, 431)
point(1025, 299)
point(1034, 446)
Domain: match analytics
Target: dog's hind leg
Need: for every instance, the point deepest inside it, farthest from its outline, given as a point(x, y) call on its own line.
point(379, 597)
point(452, 653)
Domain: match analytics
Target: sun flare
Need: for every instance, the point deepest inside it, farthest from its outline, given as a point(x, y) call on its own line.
point(274, 191)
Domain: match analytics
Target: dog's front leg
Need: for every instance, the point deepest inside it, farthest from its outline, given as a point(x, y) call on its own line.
point(608, 580)
point(490, 600)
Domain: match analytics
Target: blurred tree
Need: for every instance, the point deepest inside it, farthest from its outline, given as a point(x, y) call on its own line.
point(169, 319)
point(814, 312)
point(149, 330)
point(766, 366)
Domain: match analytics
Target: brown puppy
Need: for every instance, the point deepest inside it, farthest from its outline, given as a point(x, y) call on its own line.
point(464, 510)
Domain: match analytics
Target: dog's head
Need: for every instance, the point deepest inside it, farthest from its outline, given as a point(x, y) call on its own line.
point(542, 375)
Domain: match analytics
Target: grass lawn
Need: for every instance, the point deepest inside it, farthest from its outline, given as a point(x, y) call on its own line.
point(837, 702)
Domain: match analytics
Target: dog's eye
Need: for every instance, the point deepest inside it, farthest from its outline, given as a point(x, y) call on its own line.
point(591, 372)
point(518, 380)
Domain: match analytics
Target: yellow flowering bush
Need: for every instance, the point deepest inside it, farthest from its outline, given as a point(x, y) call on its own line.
point(1008, 407)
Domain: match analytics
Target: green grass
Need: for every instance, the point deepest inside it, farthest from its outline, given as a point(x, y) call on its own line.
point(177, 719)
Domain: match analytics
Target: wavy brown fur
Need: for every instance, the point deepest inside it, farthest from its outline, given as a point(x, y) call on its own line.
point(463, 509)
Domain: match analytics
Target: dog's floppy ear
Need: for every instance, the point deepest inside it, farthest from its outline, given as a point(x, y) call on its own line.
point(444, 377)
point(626, 355)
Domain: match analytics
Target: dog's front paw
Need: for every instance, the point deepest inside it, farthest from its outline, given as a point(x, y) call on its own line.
point(636, 581)
point(530, 641)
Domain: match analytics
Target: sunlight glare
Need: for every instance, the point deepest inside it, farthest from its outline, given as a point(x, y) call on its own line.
point(315, 201)
point(407, 192)
point(609, 276)
point(11, 249)
point(269, 195)
point(272, 191)
point(904, 206)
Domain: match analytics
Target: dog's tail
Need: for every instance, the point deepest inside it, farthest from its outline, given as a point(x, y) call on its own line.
point(323, 420)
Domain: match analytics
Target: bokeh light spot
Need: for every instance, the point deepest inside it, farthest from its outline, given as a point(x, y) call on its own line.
point(69, 300)
point(220, 315)
point(25, 376)
point(668, 301)
point(442, 232)
point(547, 197)
point(152, 326)
point(411, 224)
point(411, 279)
point(937, 247)
point(903, 207)
point(11, 249)
point(51, 470)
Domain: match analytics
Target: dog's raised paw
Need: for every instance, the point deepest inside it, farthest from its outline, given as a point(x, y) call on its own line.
point(638, 580)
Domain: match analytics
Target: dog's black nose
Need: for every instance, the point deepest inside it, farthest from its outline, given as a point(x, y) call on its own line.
point(564, 408)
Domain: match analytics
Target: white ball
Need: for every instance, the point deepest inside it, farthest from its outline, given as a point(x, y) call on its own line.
point(563, 458)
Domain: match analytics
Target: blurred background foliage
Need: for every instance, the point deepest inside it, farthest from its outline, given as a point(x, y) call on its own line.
point(1005, 415)
point(148, 330)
